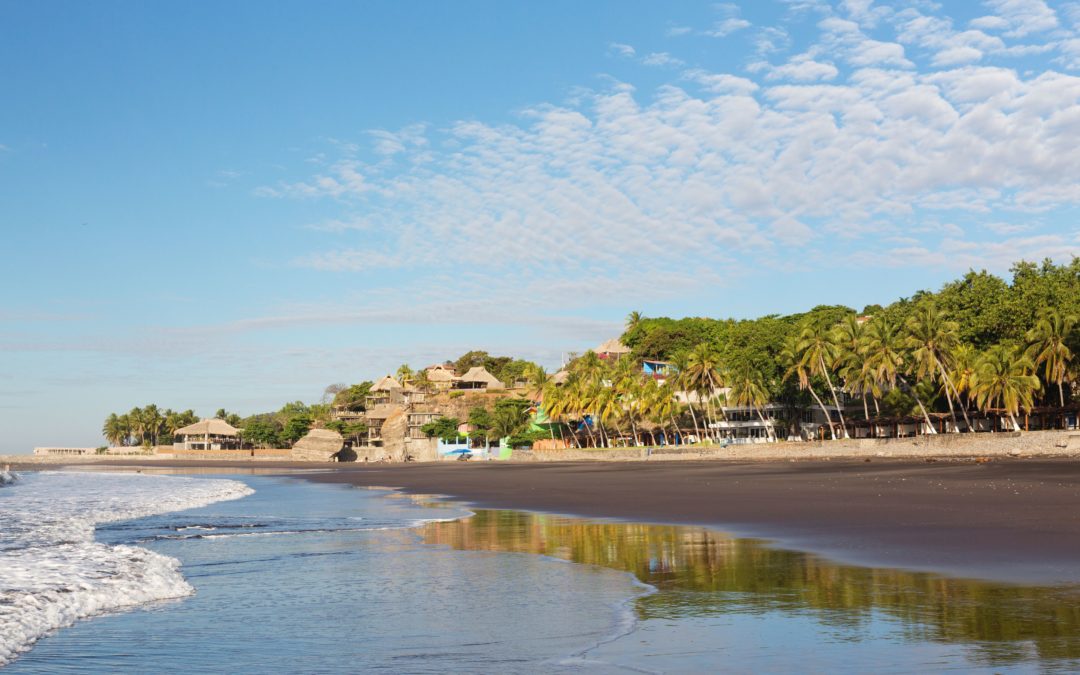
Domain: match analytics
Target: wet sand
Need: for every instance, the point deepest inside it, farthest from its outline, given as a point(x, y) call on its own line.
point(1015, 520)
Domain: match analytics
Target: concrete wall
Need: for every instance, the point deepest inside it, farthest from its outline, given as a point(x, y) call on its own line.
point(1029, 444)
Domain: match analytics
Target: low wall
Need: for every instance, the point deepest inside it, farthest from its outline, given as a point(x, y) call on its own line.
point(1012, 444)
point(169, 452)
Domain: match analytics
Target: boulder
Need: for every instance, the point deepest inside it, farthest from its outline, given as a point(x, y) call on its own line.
point(319, 445)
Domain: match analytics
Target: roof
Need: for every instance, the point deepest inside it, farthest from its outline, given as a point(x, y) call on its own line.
point(612, 346)
point(211, 427)
point(481, 375)
point(384, 411)
point(386, 384)
point(560, 377)
point(440, 374)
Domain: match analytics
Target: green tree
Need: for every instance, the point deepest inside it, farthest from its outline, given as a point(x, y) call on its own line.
point(932, 340)
point(1047, 346)
point(817, 353)
point(261, 432)
point(445, 428)
point(295, 428)
point(1003, 379)
point(747, 389)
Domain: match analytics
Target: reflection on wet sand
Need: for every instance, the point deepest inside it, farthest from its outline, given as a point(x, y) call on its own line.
point(700, 572)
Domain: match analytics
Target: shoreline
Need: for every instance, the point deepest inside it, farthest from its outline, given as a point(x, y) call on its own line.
point(1011, 520)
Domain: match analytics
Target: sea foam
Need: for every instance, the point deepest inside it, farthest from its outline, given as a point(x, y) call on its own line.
point(53, 572)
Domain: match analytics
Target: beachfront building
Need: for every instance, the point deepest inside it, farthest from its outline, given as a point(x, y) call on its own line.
point(209, 434)
point(479, 378)
point(417, 419)
point(613, 349)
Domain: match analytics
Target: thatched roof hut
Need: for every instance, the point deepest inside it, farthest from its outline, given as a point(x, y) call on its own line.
point(440, 374)
point(479, 378)
point(560, 377)
point(613, 347)
point(210, 427)
point(387, 383)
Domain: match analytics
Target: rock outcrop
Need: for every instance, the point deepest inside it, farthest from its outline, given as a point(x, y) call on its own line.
point(320, 445)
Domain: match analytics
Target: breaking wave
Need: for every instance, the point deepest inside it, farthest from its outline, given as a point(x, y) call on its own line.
point(55, 573)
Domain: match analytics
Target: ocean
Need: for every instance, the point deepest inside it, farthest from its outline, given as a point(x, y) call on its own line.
point(103, 572)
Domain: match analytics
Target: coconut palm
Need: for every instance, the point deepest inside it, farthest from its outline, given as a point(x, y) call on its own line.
point(703, 377)
point(850, 360)
point(404, 373)
point(818, 353)
point(633, 319)
point(790, 356)
point(965, 358)
point(747, 389)
point(680, 382)
point(422, 381)
point(113, 430)
point(885, 360)
point(1047, 348)
point(1003, 379)
point(932, 340)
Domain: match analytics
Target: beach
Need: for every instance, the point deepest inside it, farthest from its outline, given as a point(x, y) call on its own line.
point(1009, 520)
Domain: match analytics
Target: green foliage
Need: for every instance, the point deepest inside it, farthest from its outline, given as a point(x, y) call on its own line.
point(506, 369)
point(295, 429)
point(481, 419)
point(262, 432)
point(445, 428)
point(352, 398)
point(510, 417)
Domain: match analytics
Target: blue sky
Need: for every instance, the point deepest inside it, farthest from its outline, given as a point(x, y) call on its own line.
point(236, 204)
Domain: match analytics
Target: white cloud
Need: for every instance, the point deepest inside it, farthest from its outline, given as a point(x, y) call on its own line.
point(1023, 17)
point(848, 140)
point(803, 69)
point(662, 59)
point(678, 31)
point(619, 49)
point(727, 27)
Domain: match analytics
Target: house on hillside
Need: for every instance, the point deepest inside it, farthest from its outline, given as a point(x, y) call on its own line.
point(479, 378)
point(386, 390)
point(658, 370)
point(441, 377)
point(612, 349)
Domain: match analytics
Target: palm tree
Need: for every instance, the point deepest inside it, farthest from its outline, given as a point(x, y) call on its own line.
point(932, 340)
point(113, 430)
point(422, 381)
point(790, 355)
point(153, 420)
point(747, 389)
point(703, 376)
point(850, 345)
point(818, 354)
point(680, 382)
point(404, 373)
point(885, 360)
point(1046, 347)
point(633, 319)
point(965, 359)
point(1003, 378)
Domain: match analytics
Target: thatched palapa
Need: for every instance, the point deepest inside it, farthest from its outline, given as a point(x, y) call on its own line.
point(211, 427)
point(387, 383)
point(479, 378)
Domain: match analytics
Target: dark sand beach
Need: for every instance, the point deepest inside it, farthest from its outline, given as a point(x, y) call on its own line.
point(1011, 520)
